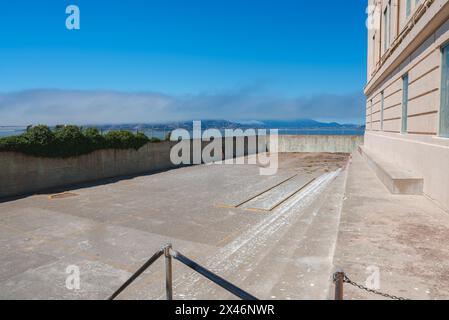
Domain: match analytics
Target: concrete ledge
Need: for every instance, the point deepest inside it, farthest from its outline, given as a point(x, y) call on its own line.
point(319, 143)
point(21, 175)
point(397, 180)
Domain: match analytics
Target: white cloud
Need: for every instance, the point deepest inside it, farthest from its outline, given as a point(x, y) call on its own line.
point(84, 107)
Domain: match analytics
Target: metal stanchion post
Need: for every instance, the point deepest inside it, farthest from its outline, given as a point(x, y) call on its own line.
point(339, 278)
point(168, 272)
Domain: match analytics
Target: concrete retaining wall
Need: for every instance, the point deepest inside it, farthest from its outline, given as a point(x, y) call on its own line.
point(21, 174)
point(319, 143)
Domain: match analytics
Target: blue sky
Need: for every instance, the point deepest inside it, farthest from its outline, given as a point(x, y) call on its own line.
point(282, 51)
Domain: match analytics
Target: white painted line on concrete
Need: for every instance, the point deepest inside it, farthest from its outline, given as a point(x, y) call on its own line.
point(259, 235)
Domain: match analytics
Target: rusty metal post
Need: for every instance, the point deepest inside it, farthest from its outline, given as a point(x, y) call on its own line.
point(339, 277)
point(168, 272)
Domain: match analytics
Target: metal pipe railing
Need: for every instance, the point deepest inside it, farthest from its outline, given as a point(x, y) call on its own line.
point(141, 270)
point(169, 254)
point(213, 277)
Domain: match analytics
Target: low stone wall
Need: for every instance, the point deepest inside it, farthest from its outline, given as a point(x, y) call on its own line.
point(21, 174)
point(319, 143)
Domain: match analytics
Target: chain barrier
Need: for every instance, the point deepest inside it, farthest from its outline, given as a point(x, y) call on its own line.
point(347, 280)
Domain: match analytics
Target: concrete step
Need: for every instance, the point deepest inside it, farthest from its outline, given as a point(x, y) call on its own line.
point(398, 180)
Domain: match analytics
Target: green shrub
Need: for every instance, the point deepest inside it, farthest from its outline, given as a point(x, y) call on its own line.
point(39, 135)
point(14, 143)
point(38, 140)
point(68, 141)
point(125, 140)
point(95, 139)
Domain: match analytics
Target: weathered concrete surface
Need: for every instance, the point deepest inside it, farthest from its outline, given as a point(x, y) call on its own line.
point(319, 143)
point(397, 179)
point(405, 236)
point(21, 174)
point(268, 200)
point(428, 156)
point(286, 255)
point(109, 230)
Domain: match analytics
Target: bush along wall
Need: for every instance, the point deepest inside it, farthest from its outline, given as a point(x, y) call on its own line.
point(69, 141)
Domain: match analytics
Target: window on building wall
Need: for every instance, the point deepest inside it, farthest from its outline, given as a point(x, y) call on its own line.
point(386, 30)
point(404, 103)
point(408, 7)
point(387, 26)
point(444, 105)
point(374, 52)
point(382, 111)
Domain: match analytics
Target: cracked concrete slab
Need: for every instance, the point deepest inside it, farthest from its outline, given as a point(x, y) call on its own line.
point(348, 219)
point(109, 230)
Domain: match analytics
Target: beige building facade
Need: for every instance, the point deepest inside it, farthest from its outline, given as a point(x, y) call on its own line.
point(407, 91)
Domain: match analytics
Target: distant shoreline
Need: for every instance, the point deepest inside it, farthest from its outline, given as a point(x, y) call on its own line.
point(158, 133)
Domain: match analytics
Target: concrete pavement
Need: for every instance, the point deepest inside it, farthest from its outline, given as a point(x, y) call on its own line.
point(109, 230)
point(404, 237)
point(345, 218)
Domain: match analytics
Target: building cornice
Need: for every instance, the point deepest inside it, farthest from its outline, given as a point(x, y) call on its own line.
point(426, 19)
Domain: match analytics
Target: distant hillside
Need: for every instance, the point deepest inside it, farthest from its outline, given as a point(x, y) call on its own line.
point(160, 130)
point(224, 124)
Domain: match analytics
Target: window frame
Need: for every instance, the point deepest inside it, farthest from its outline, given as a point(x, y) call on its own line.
point(405, 97)
point(443, 133)
point(387, 26)
point(408, 8)
point(382, 106)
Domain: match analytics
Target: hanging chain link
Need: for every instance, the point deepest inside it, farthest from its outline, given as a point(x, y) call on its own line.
point(355, 284)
